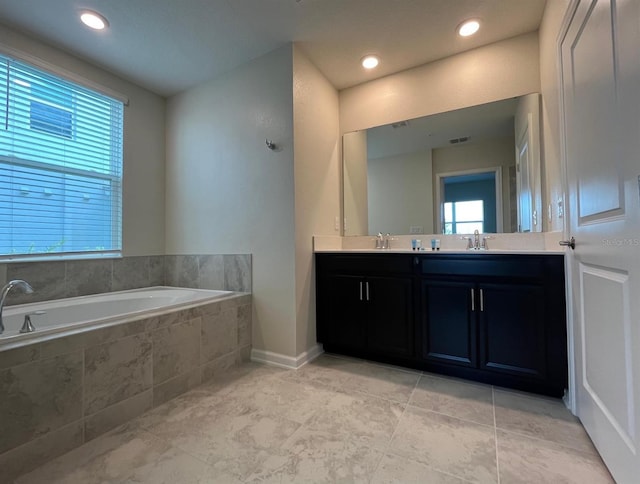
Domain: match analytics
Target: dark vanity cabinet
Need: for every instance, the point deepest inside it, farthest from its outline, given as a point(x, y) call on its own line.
point(367, 305)
point(497, 318)
point(449, 320)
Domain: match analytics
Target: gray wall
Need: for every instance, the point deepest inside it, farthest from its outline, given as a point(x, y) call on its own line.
point(226, 192)
point(143, 189)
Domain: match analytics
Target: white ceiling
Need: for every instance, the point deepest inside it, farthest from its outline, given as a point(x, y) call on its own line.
point(170, 45)
point(481, 122)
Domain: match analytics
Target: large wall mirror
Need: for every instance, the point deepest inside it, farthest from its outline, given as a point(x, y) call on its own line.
point(454, 172)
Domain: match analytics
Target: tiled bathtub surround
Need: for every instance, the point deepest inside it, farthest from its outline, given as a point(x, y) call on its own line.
point(57, 394)
point(60, 279)
point(220, 272)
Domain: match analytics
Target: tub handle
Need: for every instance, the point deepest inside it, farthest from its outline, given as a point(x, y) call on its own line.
point(27, 326)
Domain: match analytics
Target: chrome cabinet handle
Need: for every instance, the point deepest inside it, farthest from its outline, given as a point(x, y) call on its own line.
point(360, 290)
point(473, 299)
point(569, 243)
point(368, 291)
point(481, 300)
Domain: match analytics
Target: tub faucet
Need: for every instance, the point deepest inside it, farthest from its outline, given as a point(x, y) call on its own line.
point(18, 284)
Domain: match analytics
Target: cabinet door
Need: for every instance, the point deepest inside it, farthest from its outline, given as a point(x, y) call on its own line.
point(390, 315)
point(512, 329)
point(449, 322)
point(343, 312)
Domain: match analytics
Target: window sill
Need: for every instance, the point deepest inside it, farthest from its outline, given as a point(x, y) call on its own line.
point(60, 257)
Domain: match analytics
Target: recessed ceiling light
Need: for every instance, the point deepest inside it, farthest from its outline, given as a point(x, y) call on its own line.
point(468, 27)
point(370, 61)
point(94, 20)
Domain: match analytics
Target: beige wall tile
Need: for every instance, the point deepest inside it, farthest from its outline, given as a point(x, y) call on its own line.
point(219, 335)
point(39, 397)
point(110, 417)
point(35, 453)
point(176, 350)
point(176, 386)
point(116, 371)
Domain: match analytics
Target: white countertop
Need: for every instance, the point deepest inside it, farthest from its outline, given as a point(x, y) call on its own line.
point(507, 244)
point(445, 252)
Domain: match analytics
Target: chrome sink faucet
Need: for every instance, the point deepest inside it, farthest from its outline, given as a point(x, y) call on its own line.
point(23, 286)
point(383, 241)
point(379, 241)
point(474, 243)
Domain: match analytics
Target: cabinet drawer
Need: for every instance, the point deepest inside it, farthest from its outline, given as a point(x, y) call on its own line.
point(514, 267)
point(362, 265)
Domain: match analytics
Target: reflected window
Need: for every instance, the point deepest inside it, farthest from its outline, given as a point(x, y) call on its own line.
point(464, 217)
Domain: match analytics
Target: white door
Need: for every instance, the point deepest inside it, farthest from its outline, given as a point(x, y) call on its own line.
point(600, 57)
point(525, 219)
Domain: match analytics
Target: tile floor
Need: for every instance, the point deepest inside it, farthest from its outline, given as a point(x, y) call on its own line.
point(339, 420)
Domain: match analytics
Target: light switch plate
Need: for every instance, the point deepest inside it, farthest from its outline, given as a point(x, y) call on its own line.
point(416, 229)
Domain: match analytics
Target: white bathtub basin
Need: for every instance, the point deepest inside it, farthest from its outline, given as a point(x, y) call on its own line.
point(86, 311)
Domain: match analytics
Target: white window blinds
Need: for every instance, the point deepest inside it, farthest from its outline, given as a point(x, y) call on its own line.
point(60, 165)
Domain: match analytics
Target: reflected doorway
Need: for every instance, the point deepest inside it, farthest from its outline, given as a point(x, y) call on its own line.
point(469, 201)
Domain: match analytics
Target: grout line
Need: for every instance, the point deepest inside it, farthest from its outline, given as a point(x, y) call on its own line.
point(388, 447)
point(82, 403)
point(553, 442)
point(495, 431)
point(393, 434)
point(65, 288)
point(111, 271)
point(454, 417)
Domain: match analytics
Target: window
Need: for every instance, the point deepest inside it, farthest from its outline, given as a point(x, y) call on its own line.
point(463, 217)
point(60, 165)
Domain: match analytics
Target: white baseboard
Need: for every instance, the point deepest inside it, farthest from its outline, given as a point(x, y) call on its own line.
point(284, 361)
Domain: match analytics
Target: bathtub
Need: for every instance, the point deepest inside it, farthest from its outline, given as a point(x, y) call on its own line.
point(86, 312)
point(96, 362)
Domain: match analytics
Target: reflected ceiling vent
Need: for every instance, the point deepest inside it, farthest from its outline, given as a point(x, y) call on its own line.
point(456, 141)
point(400, 124)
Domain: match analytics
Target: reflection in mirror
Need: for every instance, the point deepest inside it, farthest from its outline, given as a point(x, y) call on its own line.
point(423, 175)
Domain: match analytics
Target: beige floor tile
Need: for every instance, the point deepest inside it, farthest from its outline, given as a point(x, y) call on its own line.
point(458, 447)
point(455, 398)
point(228, 438)
point(366, 419)
point(277, 397)
point(527, 460)
point(245, 375)
point(337, 420)
point(187, 407)
point(355, 376)
point(328, 371)
point(319, 456)
point(540, 417)
point(388, 365)
point(125, 455)
point(398, 470)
